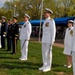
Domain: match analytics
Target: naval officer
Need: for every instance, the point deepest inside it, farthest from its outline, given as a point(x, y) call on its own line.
point(68, 44)
point(9, 35)
point(73, 49)
point(25, 33)
point(48, 38)
point(15, 33)
point(3, 31)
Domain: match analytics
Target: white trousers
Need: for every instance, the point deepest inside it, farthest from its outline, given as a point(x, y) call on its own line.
point(24, 49)
point(0, 41)
point(73, 59)
point(47, 54)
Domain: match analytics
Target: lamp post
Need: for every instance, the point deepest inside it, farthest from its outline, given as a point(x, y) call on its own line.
point(14, 10)
point(11, 7)
point(41, 20)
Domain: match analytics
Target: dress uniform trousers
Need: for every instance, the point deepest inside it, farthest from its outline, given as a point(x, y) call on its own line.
point(47, 54)
point(24, 47)
point(3, 41)
point(15, 32)
point(73, 59)
point(9, 37)
point(14, 44)
point(9, 43)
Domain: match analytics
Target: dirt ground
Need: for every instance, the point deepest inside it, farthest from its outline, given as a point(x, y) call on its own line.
point(59, 45)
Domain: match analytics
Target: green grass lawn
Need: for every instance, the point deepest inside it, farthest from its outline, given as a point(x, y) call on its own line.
point(10, 65)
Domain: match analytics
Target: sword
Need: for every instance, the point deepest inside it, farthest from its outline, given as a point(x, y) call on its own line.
point(23, 44)
point(49, 51)
point(71, 52)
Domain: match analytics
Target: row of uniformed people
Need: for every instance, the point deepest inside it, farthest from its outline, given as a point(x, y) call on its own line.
point(48, 38)
point(10, 31)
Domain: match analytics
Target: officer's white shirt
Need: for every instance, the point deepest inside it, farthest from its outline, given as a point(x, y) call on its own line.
point(49, 31)
point(68, 37)
point(25, 31)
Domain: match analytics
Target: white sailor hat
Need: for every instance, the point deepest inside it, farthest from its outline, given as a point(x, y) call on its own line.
point(15, 17)
point(10, 19)
point(3, 17)
point(48, 10)
point(70, 21)
point(26, 15)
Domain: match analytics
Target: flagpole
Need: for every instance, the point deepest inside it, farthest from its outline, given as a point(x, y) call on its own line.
point(41, 21)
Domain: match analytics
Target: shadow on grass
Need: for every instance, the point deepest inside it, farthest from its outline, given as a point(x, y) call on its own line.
point(57, 65)
point(3, 50)
point(5, 53)
point(7, 58)
point(20, 65)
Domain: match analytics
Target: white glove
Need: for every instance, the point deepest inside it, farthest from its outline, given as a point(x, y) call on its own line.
point(3, 35)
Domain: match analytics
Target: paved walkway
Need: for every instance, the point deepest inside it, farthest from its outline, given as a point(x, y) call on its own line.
point(59, 45)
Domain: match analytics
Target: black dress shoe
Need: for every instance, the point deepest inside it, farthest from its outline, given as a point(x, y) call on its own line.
point(2, 48)
point(8, 50)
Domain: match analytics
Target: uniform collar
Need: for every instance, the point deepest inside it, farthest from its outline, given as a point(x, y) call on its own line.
point(26, 22)
point(48, 18)
point(70, 28)
point(10, 24)
point(3, 21)
point(15, 23)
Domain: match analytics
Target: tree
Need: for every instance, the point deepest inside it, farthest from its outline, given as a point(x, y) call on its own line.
point(61, 8)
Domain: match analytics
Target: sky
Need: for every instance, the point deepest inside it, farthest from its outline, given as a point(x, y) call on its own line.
point(2, 2)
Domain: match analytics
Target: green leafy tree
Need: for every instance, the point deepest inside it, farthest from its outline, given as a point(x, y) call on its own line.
point(61, 8)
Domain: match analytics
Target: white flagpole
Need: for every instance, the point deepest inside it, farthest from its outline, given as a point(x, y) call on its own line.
point(41, 20)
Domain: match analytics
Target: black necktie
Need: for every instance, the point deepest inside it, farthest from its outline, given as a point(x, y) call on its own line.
point(69, 29)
